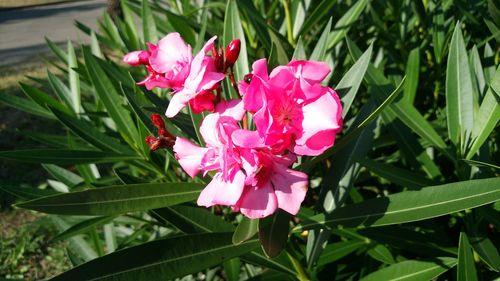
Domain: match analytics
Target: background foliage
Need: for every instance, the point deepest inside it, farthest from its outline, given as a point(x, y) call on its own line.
point(410, 190)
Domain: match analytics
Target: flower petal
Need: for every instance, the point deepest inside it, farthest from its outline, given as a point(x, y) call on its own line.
point(189, 155)
point(171, 50)
point(258, 202)
point(220, 192)
point(232, 108)
point(290, 187)
point(247, 139)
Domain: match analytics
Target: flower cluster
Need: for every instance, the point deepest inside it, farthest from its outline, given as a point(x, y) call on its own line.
point(294, 115)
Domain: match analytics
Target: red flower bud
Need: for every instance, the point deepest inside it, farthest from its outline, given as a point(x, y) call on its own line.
point(158, 121)
point(232, 52)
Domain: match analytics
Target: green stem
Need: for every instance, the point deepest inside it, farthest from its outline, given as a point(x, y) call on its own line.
point(289, 26)
point(97, 242)
point(301, 274)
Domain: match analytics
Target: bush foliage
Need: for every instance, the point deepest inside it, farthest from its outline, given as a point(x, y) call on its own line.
point(409, 191)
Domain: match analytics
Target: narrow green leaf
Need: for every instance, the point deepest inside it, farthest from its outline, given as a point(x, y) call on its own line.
point(485, 248)
point(245, 230)
point(273, 232)
point(233, 30)
point(192, 219)
point(116, 199)
point(459, 98)
point(348, 86)
point(321, 10)
point(60, 89)
point(412, 74)
point(166, 258)
point(410, 206)
point(113, 102)
point(319, 50)
point(74, 80)
point(413, 270)
point(487, 117)
point(90, 133)
point(299, 53)
point(43, 99)
point(466, 269)
point(345, 22)
point(438, 33)
point(81, 227)
point(63, 156)
point(396, 175)
point(65, 176)
point(317, 240)
point(381, 253)
point(26, 192)
point(57, 50)
point(25, 105)
point(336, 251)
point(232, 269)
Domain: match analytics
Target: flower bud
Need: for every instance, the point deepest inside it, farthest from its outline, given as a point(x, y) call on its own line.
point(136, 58)
point(158, 121)
point(232, 52)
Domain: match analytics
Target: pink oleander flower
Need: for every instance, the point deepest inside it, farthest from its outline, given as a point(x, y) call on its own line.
point(170, 64)
point(249, 177)
point(292, 110)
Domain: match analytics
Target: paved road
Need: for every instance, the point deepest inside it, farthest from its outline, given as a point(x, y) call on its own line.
point(22, 31)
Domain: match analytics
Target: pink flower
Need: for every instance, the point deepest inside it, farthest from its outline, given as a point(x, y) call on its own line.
point(202, 77)
point(249, 177)
point(170, 64)
point(269, 183)
point(292, 111)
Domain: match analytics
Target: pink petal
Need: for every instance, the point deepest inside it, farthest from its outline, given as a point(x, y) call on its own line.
point(178, 102)
point(170, 52)
point(220, 192)
point(258, 202)
point(189, 155)
point(209, 130)
point(259, 69)
point(232, 108)
point(312, 71)
point(247, 139)
point(290, 187)
point(322, 120)
point(136, 58)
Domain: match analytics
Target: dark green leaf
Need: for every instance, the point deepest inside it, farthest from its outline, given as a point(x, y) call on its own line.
point(63, 156)
point(162, 259)
point(466, 269)
point(273, 232)
point(245, 230)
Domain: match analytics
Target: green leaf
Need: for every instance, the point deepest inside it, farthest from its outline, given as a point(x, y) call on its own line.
point(57, 50)
point(421, 243)
point(413, 270)
point(336, 251)
point(192, 219)
point(232, 269)
point(345, 22)
point(319, 50)
point(118, 199)
point(245, 230)
point(381, 253)
point(74, 80)
point(273, 232)
point(459, 95)
point(91, 134)
point(410, 206)
point(113, 102)
point(321, 10)
point(438, 33)
point(43, 99)
point(162, 259)
point(487, 117)
point(299, 53)
point(65, 176)
point(26, 192)
point(486, 250)
point(81, 227)
point(25, 105)
point(466, 269)
point(396, 175)
point(233, 30)
point(63, 156)
point(348, 86)
point(412, 73)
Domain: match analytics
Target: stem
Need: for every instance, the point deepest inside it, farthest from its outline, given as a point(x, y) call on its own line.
point(233, 82)
point(289, 25)
point(301, 275)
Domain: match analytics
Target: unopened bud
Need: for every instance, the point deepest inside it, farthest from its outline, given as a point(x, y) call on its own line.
point(232, 52)
point(158, 121)
point(136, 58)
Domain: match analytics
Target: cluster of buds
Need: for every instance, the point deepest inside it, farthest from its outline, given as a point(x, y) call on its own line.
point(164, 139)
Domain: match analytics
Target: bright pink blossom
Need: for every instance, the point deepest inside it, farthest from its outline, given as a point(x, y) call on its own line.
point(292, 110)
point(249, 177)
point(170, 64)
